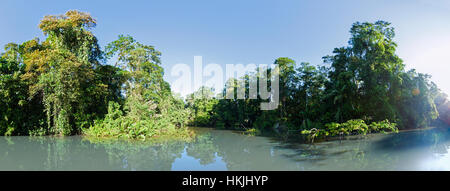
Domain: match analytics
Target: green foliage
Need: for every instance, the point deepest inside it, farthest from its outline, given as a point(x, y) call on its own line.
point(253, 132)
point(60, 70)
point(150, 110)
point(382, 126)
point(118, 125)
point(18, 114)
point(351, 127)
point(202, 104)
point(365, 80)
point(60, 87)
point(11, 93)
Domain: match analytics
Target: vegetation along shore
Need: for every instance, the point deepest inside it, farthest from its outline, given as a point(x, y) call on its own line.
point(62, 85)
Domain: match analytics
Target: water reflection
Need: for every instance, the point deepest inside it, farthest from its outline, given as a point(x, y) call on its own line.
point(434, 139)
point(226, 150)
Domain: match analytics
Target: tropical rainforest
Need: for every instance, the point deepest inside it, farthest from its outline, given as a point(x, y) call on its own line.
point(67, 84)
point(62, 86)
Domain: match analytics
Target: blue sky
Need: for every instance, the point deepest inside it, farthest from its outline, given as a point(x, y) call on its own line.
point(251, 31)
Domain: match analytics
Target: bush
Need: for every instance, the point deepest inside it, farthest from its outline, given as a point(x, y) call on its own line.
point(351, 127)
point(253, 132)
point(117, 125)
point(382, 126)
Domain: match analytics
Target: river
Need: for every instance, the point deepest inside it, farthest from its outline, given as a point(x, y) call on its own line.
point(229, 150)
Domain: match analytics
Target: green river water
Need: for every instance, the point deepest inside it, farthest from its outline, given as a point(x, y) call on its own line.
point(228, 150)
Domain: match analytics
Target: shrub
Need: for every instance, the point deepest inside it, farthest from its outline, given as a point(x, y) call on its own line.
point(351, 127)
point(117, 125)
point(253, 132)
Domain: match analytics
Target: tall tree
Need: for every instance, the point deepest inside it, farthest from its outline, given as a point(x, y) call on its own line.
point(367, 80)
point(61, 69)
point(144, 86)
